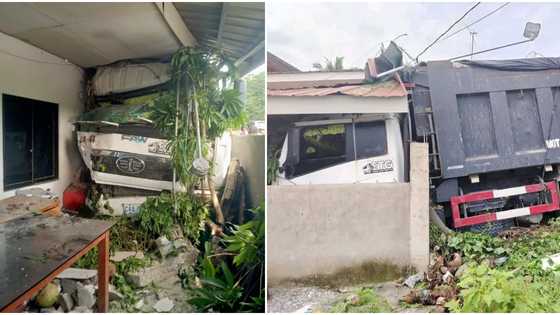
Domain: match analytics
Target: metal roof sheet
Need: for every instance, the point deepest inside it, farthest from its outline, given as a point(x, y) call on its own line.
point(235, 27)
point(391, 88)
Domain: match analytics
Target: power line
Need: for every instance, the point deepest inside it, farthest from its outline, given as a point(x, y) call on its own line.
point(477, 21)
point(448, 29)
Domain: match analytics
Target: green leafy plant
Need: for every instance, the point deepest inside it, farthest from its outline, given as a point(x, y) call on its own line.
point(484, 289)
point(475, 246)
point(220, 291)
point(272, 167)
point(157, 218)
point(242, 288)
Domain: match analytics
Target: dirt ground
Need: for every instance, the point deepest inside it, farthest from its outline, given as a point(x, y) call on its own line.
point(292, 297)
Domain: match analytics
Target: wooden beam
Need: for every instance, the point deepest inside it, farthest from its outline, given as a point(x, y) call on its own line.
point(250, 53)
point(176, 24)
point(223, 16)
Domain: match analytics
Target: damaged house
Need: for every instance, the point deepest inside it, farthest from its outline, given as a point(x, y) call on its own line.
point(79, 88)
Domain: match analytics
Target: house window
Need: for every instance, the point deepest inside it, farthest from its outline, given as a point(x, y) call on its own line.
point(371, 139)
point(30, 135)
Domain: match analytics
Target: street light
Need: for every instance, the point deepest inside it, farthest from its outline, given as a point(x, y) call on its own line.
point(531, 32)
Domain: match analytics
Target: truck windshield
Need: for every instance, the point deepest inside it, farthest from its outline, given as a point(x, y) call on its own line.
point(323, 142)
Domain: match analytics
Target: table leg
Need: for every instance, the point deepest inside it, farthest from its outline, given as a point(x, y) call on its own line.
point(103, 274)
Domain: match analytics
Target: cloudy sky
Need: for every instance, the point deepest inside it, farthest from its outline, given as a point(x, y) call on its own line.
point(304, 33)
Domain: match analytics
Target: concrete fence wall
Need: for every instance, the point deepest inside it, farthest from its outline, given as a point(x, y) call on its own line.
point(320, 229)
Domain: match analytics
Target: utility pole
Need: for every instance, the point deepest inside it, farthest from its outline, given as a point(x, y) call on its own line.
point(473, 34)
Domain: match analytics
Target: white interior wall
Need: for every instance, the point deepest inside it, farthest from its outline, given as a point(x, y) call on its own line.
point(52, 80)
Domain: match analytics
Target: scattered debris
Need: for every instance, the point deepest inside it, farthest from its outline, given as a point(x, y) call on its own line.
point(114, 295)
point(163, 305)
point(82, 309)
point(550, 261)
point(500, 261)
point(66, 302)
point(139, 304)
point(78, 274)
point(85, 295)
point(165, 247)
point(412, 280)
point(122, 255)
point(306, 309)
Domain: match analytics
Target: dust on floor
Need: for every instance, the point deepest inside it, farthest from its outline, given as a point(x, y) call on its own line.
point(292, 297)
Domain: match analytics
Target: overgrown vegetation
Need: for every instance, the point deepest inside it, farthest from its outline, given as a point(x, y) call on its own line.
point(157, 217)
point(233, 280)
point(488, 290)
point(365, 300)
point(272, 167)
point(255, 96)
point(505, 272)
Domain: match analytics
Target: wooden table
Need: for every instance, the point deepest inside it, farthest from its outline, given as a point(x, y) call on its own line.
point(34, 249)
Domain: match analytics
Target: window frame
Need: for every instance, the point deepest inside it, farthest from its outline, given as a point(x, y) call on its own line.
point(10, 99)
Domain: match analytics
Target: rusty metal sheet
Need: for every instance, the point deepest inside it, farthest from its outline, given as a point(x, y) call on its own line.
point(390, 88)
point(32, 247)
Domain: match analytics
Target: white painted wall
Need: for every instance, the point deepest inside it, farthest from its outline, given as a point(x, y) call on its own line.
point(52, 81)
point(335, 104)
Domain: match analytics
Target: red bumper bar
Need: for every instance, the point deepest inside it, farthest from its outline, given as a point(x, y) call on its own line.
point(506, 214)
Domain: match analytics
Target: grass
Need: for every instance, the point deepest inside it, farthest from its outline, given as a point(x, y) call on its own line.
point(364, 300)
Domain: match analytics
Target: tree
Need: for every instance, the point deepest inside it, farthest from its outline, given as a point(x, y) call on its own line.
point(330, 65)
point(255, 96)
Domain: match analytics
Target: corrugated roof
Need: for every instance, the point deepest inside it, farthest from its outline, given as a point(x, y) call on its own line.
point(275, 64)
point(235, 27)
point(390, 88)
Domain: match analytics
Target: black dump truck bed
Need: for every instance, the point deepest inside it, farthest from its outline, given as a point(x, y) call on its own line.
point(489, 116)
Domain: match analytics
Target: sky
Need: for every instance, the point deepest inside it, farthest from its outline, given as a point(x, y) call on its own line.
point(304, 33)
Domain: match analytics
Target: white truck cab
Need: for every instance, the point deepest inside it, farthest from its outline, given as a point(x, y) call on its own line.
point(365, 148)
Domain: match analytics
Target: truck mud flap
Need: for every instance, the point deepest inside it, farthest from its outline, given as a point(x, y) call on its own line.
point(456, 201)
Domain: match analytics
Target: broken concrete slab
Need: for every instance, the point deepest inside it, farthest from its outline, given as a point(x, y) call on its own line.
point(78, 274)
point(82, 309)
point(180, 244)
point(122, 255)
point(550, 262)
point(163, 305)
point(68, 285)
point(139, 304)
point(85, 295)
point(66, 302)
point(114, 294)
point(413, 280)
point(165, 247)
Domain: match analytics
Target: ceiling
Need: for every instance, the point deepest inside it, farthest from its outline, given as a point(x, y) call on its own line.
point(91, 34)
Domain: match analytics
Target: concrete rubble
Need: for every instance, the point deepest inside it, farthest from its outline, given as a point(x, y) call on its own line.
point(163, 305)
point(78, 274)
point(121, 255)
point(85, 295)
point(165, 247)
